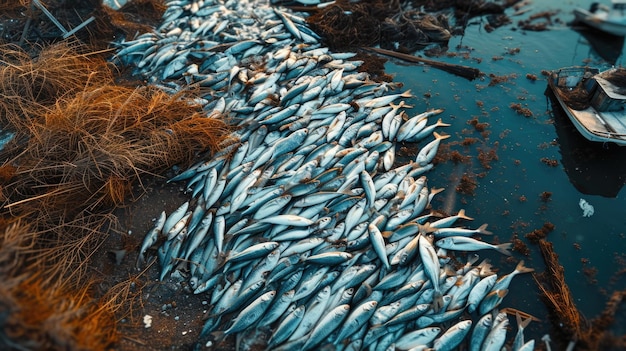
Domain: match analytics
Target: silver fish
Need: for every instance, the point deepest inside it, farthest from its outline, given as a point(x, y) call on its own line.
point(462, 243)
point(151, 238)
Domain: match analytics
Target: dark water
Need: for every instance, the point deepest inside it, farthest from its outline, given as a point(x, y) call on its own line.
point(508, 195)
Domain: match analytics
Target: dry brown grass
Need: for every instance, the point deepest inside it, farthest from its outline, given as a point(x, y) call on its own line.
point(81, 139)
point(41, 316)
point(28, 86)
point(82, 143)
point(88, 149)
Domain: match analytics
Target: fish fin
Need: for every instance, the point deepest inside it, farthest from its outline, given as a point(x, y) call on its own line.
point(441, 124)
point(485, 269)
point(518, 319)
point(483, 230)
point(504, 248)
point(462, 215)
point(523, 269)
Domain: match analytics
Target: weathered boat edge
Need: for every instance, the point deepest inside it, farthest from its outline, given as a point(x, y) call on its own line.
point(603, 18)
point(576, 116)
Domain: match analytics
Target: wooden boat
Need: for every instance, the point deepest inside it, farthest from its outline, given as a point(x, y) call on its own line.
point(611, 20)
point(594, 101)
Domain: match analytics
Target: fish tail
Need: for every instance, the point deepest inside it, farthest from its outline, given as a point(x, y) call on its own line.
point(440, 123)
point(462, 215)
point(522, 323)
point(472, 259)
point(219, 336)
point(441, 137)
point(436, 111)
point(141, 260)
point(407, 94)
point(485, 268)
point(523, 269)
point(397, 106)
point(483, 230)
point(435, 191)
point(504, 248)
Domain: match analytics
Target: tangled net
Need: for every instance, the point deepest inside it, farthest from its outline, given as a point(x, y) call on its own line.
point(345, 25)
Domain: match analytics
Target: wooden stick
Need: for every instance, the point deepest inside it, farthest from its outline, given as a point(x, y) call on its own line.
point(467, 72)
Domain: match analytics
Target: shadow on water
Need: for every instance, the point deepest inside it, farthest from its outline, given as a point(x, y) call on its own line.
point(593, 168)
point(603, 45)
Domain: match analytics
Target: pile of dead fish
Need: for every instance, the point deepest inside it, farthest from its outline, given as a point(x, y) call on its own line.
point(305, 226)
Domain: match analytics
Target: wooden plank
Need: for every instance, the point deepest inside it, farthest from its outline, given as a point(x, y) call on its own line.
point(467, 72)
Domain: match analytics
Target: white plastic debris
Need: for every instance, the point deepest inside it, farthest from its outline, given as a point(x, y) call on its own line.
point(586, 207)
point(114, 4)
point(546, 338)
point(147, 321)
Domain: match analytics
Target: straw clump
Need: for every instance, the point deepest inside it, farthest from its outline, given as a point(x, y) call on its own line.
point(36, 316)
point(81, 144)
point(83, 139)
point(103, 139)
point(28, 85)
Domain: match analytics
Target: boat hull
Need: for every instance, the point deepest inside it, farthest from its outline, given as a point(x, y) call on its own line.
point(586, 121)
point(592, 20)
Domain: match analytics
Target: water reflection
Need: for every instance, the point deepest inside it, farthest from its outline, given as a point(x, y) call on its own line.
point(601, 45)
point(593, 168)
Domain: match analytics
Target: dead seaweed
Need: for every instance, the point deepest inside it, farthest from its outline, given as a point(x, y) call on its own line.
point(467, 185)
point(538, 234)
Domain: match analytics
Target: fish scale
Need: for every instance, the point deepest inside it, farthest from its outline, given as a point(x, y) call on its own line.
point(280, 61)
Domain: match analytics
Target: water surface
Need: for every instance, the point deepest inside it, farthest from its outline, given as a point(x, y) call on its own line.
point(536, 154)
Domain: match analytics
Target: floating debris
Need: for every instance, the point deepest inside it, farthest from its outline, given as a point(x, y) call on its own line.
point(147, 321)
point(586, 207)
